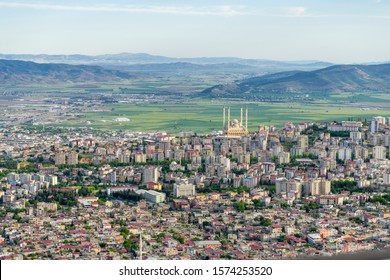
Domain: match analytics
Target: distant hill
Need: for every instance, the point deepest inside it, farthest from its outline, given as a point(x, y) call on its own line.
point(15, 72)
point(333, 79)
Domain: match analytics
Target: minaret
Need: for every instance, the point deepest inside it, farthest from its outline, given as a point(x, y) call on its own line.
point(228, 117)
point(246, 117)
point(241, 117)
point(224, 113)
point(140, 247)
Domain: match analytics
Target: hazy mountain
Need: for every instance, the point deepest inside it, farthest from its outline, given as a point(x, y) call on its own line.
point(125, 59)
point(15, 72)
point(339, 78)
point(183, 67)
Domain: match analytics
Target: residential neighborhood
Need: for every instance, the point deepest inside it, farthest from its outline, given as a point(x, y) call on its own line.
point(302, 190)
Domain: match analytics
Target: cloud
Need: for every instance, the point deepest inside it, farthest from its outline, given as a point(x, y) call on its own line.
point(224, 10)
point(297, 11)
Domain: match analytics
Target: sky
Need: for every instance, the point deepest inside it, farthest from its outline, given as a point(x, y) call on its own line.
point(337, 31)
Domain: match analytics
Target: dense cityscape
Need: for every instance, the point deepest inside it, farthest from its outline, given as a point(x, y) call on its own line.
point(295, 191)
point(194, 139)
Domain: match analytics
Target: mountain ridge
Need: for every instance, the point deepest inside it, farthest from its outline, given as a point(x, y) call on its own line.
point(17, 72)
point(333, 79)
point(127, 59)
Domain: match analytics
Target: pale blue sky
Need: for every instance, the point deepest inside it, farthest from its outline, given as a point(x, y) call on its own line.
point(337, 31)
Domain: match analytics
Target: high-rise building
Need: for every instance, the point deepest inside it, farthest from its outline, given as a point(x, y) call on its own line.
point(124, 157)
point(183, 188)
point(72, 158)
point(325, 187)
point(386, 140)
point(112, 177)
point(51, 179)
point(12, 177)
point(381, 120)
point(59, 158)
point(316, 187)
point(379, 152)
point(303, 142)
point(345, 153)
point(139, 157)
point(284, 157)
point(386, 177)
point(250, 182)
point(25, 178)
point(282, 185)
point(356, 136)
point(373, 126)
point(150, 174)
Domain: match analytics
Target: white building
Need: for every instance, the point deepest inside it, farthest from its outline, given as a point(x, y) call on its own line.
point(303, 142)
point(150, 174)
point(314, 238)
point(316, 187)
point(12, 177)
point(283, 157)
point(373, 126)
point(25, 178)
point(153, 196)
point(284, 186)
point(121, 120)
point(386, 177)
point(51, 179)
point(250, 182)
point(379, 152)
point(345, 153)
point(380, 120)
point(183, 188)
point(356, 136)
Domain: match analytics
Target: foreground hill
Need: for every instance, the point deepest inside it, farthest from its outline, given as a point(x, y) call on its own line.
point(333, 79)
point(15, 72)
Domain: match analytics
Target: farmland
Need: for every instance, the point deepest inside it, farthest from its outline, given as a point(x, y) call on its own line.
point(205, 116)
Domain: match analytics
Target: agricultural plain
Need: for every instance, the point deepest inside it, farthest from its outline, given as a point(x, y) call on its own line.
point(206, 116)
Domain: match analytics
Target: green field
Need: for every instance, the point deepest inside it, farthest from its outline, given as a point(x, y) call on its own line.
point(204, 117)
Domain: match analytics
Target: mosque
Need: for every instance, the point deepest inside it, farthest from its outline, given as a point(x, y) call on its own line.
point(235, 128)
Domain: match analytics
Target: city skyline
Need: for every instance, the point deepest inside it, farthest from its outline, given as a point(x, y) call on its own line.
point(336, 31)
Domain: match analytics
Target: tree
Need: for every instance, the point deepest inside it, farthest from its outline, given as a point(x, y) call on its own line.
point(84, 191)
point(380, 199)
point(284, 205)
point(180, 239)
point(9, 164)
point(205, 224)
point(266, 222)
point(340, 185)
point(17, 218)
point(124, 232)
point(310, 206)
point(240, 206)
point(257, 203)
